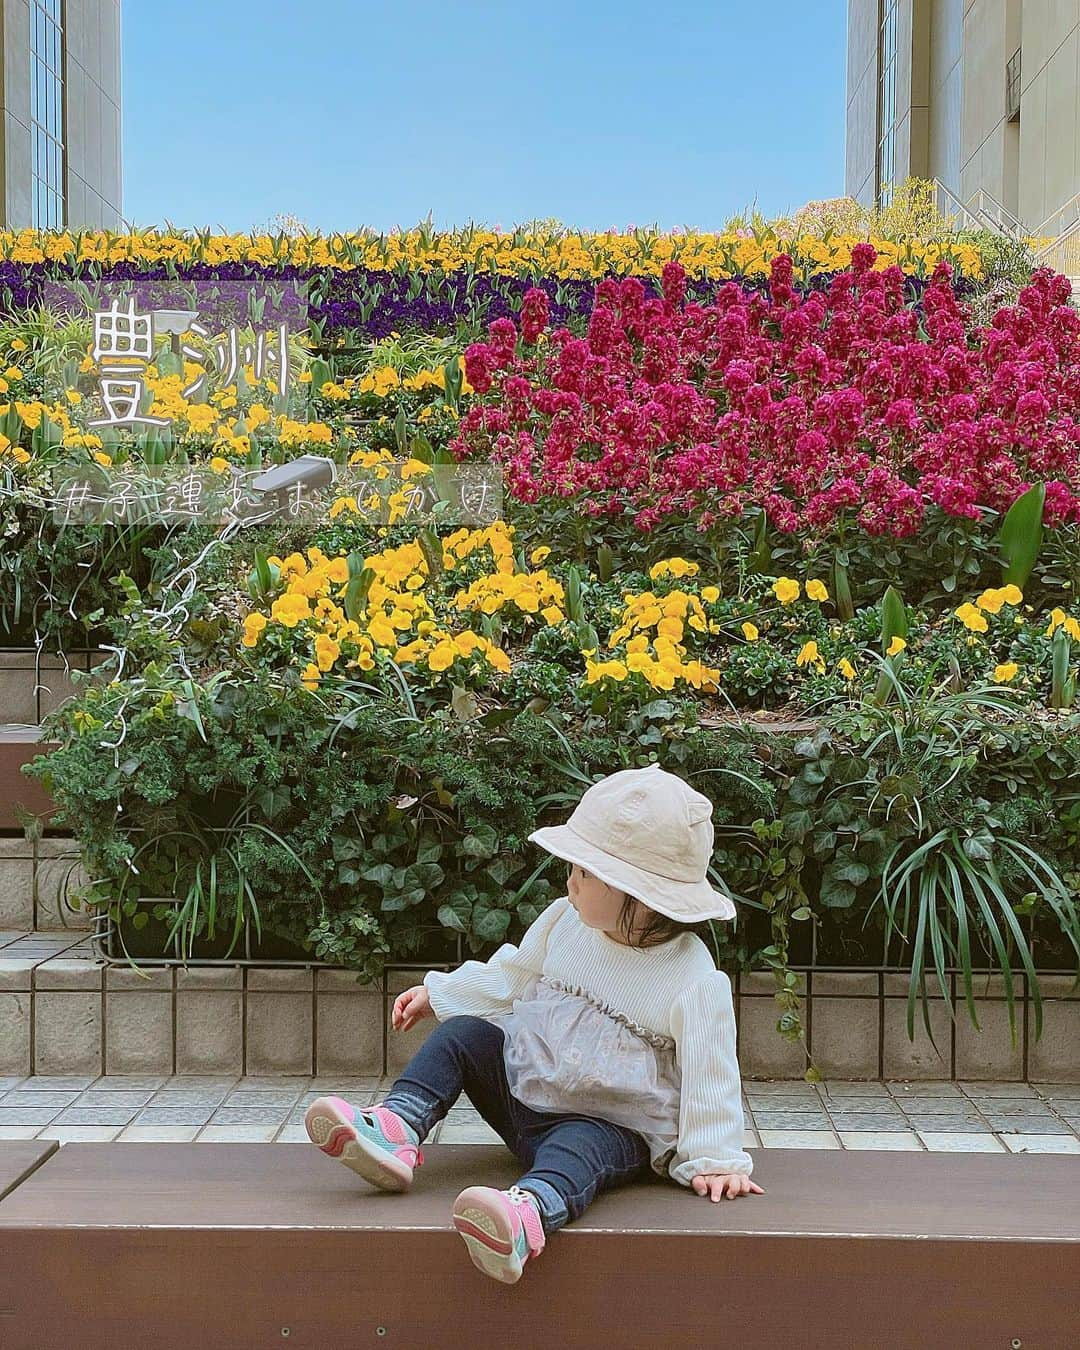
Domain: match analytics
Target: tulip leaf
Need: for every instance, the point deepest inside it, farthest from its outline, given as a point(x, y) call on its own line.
point(1020, 536)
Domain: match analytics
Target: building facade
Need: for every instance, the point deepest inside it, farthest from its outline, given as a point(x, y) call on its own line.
point(983, 95)
point(60, 102)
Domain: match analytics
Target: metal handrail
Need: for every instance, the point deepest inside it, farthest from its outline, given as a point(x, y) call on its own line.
point(1063, 219)
point(988, 206)
point(1063, 253)
point(949, 204)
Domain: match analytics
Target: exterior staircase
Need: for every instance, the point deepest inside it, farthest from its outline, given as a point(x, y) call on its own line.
point(1056, 240)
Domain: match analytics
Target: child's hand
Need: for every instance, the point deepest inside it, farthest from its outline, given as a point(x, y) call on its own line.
point(410, 1007)
point(712, 1184)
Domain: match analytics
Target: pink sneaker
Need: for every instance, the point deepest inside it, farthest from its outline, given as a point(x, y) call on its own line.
point(375, 1143)
point(502, 1229)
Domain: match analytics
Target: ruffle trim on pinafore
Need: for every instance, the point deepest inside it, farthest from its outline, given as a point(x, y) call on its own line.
point(653, 1038)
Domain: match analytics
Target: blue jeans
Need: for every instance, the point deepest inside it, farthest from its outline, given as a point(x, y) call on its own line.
point(570, 1157)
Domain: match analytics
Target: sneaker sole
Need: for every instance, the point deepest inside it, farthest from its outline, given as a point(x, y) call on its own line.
point(332, 1132)
point(485, 1230)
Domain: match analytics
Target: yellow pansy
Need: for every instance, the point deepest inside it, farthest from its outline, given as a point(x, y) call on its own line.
point(786, 590)
point(991, 601)
point(710, 594)
point(498, 658)
point(289, 610)
point(311, 676)
point(971, 618)
point(1059, 619)
point(750, 632)
point(808, 655)
point(817, 590)
point(846, 669)
point(253, 627)
point(537, 556)
point(1005, 672)
point(896, 646)
point(327, 651)
point(441, 656)
point(674, 567)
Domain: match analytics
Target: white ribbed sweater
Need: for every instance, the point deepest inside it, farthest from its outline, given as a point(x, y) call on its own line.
point(671, 990)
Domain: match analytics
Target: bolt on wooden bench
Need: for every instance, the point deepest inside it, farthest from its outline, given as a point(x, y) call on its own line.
point(253, 1245)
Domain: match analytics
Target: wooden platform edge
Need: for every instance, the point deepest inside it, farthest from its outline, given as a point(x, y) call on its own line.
point(20, 1159)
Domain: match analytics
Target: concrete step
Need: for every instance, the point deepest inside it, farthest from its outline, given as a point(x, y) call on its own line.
point(841, 1249)
point(33, 682)
point(63, 1010)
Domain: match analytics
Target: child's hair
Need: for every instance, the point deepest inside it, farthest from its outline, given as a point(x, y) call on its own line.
point(656, 929)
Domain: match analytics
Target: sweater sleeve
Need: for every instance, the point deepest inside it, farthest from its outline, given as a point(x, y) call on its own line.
point(485, 988)
point(710, 1104)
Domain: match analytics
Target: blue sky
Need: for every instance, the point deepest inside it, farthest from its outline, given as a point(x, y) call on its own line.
point(600, 114)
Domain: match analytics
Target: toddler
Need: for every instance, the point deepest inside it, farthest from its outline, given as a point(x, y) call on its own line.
point(600, 1048)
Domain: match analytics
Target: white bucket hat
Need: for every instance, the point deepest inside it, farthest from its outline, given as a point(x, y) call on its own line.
point(649, 833)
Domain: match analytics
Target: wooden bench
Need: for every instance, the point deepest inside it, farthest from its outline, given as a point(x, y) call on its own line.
point(18, 1158)
point(230, 1246)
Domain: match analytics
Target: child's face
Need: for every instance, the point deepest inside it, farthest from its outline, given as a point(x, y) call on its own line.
point(597, 903)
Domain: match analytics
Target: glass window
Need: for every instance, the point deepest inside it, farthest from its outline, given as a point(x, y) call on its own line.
point(47, 113)
point(887, 24)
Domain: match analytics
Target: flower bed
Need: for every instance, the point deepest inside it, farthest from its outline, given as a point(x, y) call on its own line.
point(828, 411)
point(836, 498)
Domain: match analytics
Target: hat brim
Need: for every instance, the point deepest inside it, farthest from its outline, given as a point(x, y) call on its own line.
point(685, 901)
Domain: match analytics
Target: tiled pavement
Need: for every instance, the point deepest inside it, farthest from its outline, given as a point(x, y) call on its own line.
point(985, 1117)
point(43, 945)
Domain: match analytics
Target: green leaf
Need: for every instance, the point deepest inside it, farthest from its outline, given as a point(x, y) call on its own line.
point(481, 842)
point(573, 595)
point(273, 800)
point(1020, 536)
point(344, 847)
point(801, 792)
point(497, 717)
point(503, 868)
point(760, 559)
point(980, 846)
point(428, 875)
point(489, 924)
point(894, 620)
point(357, 588)
point(849, 869)
point(1060, 660)
point(797, 824)
point(456, 914)
point(835, 893)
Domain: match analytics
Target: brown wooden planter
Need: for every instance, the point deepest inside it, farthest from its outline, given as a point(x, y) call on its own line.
point(18, 746)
